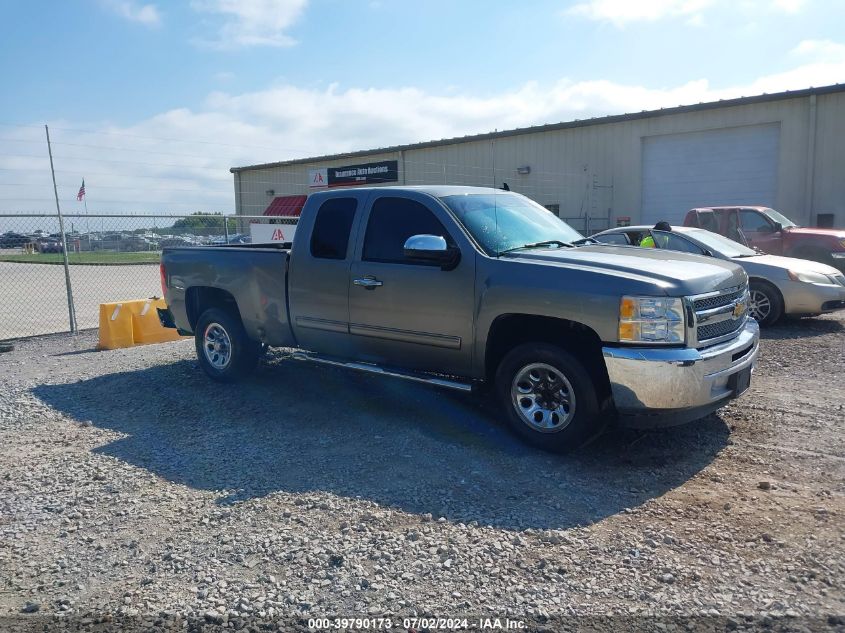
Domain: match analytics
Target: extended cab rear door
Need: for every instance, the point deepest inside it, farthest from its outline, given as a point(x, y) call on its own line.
point(403, 312)
point(318, 279)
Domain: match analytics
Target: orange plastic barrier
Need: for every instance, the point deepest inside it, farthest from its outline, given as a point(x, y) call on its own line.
point(128, 323)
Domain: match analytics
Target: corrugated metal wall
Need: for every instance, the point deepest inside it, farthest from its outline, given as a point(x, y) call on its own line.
point(596, 169)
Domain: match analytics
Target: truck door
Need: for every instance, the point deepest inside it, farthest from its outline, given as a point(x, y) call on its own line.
point(403, 312)
point(760, 232)
point(318, 285)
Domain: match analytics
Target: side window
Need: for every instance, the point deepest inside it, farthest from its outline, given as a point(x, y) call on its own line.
point(707, 220)
point(330, 237)
point(753, 222)
point(673, 242)
point(392, 221)
point(613, 238)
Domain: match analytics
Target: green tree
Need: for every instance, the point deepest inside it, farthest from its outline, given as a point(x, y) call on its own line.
point(203, 220)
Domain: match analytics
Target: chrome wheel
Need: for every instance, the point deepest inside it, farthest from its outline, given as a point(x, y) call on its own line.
point(543, 397)
point(759, 305)
point(217, 346)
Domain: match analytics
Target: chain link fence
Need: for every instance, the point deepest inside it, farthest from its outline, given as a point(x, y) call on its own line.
point(44, 290)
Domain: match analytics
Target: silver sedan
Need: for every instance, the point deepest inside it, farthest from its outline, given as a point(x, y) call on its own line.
point(779, 285)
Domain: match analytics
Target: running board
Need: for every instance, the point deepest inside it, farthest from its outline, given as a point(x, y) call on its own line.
point(381, 371)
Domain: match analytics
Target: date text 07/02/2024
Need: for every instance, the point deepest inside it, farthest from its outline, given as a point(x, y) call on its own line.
point(416, 623)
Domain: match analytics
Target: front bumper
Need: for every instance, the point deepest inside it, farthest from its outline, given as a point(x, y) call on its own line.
point(812, 298)
point(661, 387)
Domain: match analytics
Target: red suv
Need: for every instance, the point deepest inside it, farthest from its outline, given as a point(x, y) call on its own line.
point(772, 232)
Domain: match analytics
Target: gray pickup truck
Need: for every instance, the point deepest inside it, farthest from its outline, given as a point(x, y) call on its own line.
point(462, 287)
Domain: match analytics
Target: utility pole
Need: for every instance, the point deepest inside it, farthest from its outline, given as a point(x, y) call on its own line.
point(70, 309)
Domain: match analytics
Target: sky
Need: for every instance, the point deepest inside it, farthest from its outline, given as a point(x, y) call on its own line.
point(151, 102)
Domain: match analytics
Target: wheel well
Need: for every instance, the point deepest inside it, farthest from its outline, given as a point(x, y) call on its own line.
point(198, 299)
point(510, 330)
point(767, 283)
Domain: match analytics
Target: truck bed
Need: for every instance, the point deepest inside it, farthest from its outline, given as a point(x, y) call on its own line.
point(254, 276)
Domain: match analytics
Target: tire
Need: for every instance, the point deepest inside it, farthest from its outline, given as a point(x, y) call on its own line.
point(568, 425)
point(766, 304)
point(224, 350)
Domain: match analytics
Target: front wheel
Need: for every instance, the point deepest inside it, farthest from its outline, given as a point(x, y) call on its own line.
point(765, 304)
point(549, 397)
point(224, 350)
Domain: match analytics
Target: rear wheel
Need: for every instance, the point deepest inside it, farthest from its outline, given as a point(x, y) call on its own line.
point(549, 397)
point(765, 303)
point(224, 350)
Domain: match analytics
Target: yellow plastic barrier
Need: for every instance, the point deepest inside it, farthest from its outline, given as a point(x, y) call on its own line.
point(128, 323)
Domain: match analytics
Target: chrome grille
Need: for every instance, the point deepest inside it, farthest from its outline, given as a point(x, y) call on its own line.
point(719, 329)
point(708, 303)
point(714, 318)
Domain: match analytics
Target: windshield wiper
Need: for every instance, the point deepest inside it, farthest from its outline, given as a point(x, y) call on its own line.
point(537, 245)
point(585, 240)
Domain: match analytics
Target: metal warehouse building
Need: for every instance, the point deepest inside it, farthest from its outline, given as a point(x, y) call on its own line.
point(784, 150)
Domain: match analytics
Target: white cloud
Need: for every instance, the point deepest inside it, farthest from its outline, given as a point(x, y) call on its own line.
point(820, 49)
point(622, 12)
point(790, 6)
point(144, 13)
point(251, 22)
point(145, 173)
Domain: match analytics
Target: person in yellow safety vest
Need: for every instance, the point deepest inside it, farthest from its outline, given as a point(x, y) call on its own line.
point(648, 240)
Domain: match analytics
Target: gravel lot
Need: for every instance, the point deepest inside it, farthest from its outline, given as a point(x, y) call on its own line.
point(136, 492)
point(33, 299)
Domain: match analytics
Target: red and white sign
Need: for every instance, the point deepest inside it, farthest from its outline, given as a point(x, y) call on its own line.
point(318, 178)
point(271, 233)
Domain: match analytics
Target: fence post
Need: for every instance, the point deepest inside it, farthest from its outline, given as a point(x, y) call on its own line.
point(70, 307)
point(226, 227)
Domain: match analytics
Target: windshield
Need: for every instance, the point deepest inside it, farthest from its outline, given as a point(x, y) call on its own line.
point(502, 221)
point(779, 217)
point(720, 244)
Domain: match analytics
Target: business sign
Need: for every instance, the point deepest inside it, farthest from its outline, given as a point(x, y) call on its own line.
point(318, 178)
point(365, 174)
point(271, 233)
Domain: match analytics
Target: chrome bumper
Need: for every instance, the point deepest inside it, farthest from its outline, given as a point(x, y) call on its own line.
point(671, 386)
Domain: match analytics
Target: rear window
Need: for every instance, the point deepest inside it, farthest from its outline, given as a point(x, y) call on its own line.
point(330, 238)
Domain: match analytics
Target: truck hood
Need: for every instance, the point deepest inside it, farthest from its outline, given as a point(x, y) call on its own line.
point(838, 234)
point(679, 274)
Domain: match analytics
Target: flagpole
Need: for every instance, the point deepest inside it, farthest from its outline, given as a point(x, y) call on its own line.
point(70, 309)
point(87, 226)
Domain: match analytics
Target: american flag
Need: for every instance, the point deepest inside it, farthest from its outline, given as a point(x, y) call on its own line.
point(81, 193)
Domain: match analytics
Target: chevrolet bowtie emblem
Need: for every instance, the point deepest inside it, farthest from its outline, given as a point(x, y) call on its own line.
point(739, 309)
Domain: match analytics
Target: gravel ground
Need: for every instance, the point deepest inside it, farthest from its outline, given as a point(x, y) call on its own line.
point(135, 491)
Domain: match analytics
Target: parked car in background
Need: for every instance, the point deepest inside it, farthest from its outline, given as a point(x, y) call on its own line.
point(48, 245)
point(772, 232)
point(175, 240)
point(10, 239)
point(124, 243)
point(778, 285)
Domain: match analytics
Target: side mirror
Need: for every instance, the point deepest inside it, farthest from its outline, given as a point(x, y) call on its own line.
point(778, 227)
point(432, 249)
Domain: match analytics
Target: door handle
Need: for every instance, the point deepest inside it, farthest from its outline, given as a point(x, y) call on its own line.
point(368, 282)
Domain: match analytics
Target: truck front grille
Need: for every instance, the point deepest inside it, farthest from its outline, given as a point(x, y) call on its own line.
point(718, 301)
point(721, 328)
point(714, 314)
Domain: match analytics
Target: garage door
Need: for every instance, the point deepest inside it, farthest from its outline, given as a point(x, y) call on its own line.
point(719, 167)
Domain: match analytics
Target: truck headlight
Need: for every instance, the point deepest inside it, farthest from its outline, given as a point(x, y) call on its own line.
point(808, 278)
point(651, 320)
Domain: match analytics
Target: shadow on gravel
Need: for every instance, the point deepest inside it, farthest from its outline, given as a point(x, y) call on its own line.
point(788, 329)
point(296, 427)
